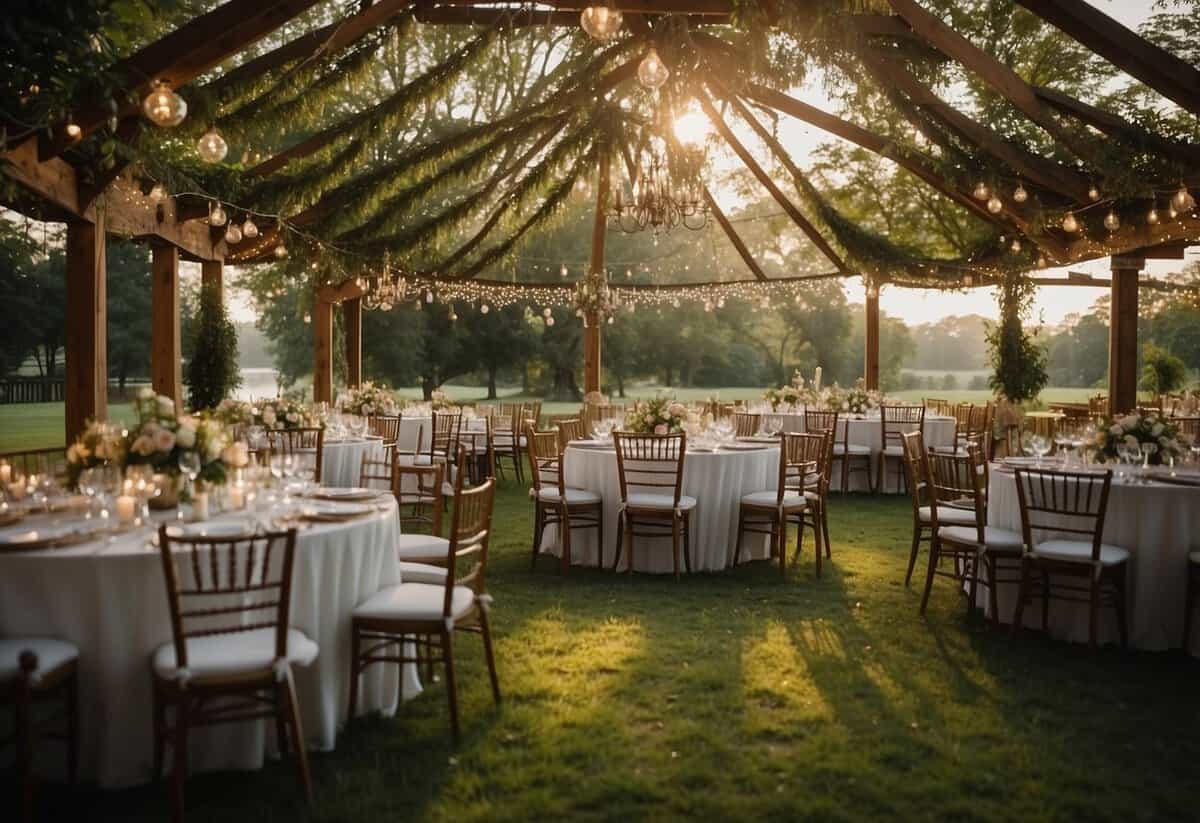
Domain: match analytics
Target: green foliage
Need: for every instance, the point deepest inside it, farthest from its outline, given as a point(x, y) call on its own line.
point(212, 371)
point(1163, 372)
point(1018, 360)
point(129, 310)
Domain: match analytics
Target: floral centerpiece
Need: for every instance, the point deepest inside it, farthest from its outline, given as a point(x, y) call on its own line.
point(792, 394)
point(100, 443)
point(662, 415)
point(1134, 430)
point(858, 400)
point(160, 438)
point(369, 399)
point(277, 413)
point(438, 399)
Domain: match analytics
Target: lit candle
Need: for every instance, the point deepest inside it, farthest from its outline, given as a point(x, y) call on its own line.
point(125, 509)
point(5, 473)
point(237, 497)
point(817, 379)
point(200, 506)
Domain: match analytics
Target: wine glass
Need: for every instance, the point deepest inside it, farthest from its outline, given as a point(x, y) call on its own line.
point(189, 464)
point(1040, 446)
point(1148, 450)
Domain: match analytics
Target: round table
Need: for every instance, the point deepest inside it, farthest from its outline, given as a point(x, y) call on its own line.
point(341, 464)
point(867, 431)
point(1158, 524)
point(716, 479)
point(109, 599)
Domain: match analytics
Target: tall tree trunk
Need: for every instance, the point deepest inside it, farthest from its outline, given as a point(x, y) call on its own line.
point(620, 385)
point(427, 387)
point(491, 395)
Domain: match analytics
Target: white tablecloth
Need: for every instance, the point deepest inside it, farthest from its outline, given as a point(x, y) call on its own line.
point(410, 427)
point(342, 463)
point(109, 599)
point(716, 479)
point(1159, 525)
point(868, 431)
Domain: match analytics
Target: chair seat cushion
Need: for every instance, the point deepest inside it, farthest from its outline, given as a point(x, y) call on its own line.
point(416, 601)
point(893, 451)
point(660, 501)
point(958, 517)
point(769, 498)
point(51, 654)
point(421, 547)
point(578, 497)
point(1080, 551)
point(994, 537)
point(856, 449)
point(422, 573)
point(240, 653)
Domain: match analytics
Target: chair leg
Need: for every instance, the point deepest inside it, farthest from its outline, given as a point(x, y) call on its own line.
point(929, 572)
point(912, 554)
point(818, 539)
point(451, 683)
point(629, 538)
point(879, 468)
point(486, 631)
point(179, 752)
point(825, 527)
point(1022, 593)
point(993, 600)
point(675, 544)
point(297, 735)
point(281, 732)
point(973, 588)
point(741, 532)
point(600, 537)
point(687, 542)
point(539, 525)
point(564, 526)
point(72, 695)
point(355, 649)
point(620, 539)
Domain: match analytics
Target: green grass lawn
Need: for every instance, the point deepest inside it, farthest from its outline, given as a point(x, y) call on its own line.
point(741, 695)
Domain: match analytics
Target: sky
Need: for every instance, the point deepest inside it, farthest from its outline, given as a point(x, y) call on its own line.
point(914, 306)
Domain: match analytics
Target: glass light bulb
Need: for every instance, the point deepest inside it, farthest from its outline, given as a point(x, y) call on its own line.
point(652, 71)
point(1093, 194)
point(1152, 217)
point(601, 22)
point(546, 312)
point(1070, 223)
point(233, 234)
point(163, 107)
point(550, 321)
point(1020, 195)
point(217, 217)
point(1183, 200)
point(1111, 221)
point(280, 251)
point(1016, 246)
point(982, 192)
point(994, 205)
point(249, 229)
point(158, 193)
point(211, 146)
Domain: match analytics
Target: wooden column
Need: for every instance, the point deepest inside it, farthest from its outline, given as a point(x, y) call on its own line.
point(212, 273)
point(166, 354)
point(352, 318)
point(323, 352)
point(591, 331)
point(1123, 336)
point(86, 389)
point(871, 348)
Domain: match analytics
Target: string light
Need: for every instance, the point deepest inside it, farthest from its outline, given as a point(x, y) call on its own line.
point(280, 251)
point(1111, 221)
point(249, 228)
point(73, 130)
point(1093, 194)
point(1020, 195)
point(163, 107)
point(484, 308)
point(1152, 216)
point(1183, 200)
point(216, 215)
point(233, 235)
point(982, 192)
point(1070, 223)
point(652, 71)
point(602, 23)
point(994, 205)
point(211, 146)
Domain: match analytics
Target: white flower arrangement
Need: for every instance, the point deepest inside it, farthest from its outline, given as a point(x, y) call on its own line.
point(100, 443)
point(662, 415)
point(1133, 430)
point(369, 400)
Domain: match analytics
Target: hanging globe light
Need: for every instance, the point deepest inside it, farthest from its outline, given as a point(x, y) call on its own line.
point(212, 146)
point(1093, 194)
point(1183, 200)
point(280, 251)
point(1152, 217)
point(163, 107)
point(484, 308)
point(1111, 221)
point(217, 216)
point(601, 22)
point(1070, 223)
point(981, 192)
point(249, 229)
point(1020, 195)
point(994, 205)
point(158, 193)
point(652, 71)
point(233, 234)
point(550, 320)
point(1016, 246)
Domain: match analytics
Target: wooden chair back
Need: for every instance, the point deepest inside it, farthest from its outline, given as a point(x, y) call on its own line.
point(376, 474)
point(307, 442)
point(821, 421)
point(916, 468)
point(745, 424)
point(939, 406)
point(801, 457)
point(470, 533)
point(955, 483)
point(1098, 404)
point(1189, 428)
point(385, 427)
point(650, 462)
point(896, 421)
point(1072, 503)
point(35, 461)
point(425, 491)
point(446, 434)
point(570, 429)
point(227, 585)
point(545, 460)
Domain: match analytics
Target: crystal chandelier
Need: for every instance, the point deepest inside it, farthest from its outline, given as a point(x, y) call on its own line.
point(385, 294)
point(593, 297)
point(656, 203)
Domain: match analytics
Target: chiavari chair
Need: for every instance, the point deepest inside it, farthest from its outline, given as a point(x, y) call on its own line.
point(555, 503)
point(506, 445)
point(745, 424)
point(570, 429)
point(769, 512)
point(1071, 504)
point(301, 444)
point(427, 611)
point(35, 671)
point(1098, 405)
point(1189, 428)
point(855, 458)
point(232, 649)
point(446, 435)
point(650, 471)
point(35, 461)
point(916, 473)
point(894, 423)
point(387, 429)
point(939, 406)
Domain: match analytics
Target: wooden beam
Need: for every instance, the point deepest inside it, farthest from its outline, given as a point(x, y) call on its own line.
point(702, 7)
point(517, 18)
point(1162, 71)
point(352, 320)
point(734, 237)
point(1123, 336)
point(1024, 163)
point(1000, 77)
point(181, 56)
point(871, 342)
point(86, 385)
point(212, 276)
point(126, 210)
point(322, 323)
point(769, 184)
point(166, 353)
point(591, 329)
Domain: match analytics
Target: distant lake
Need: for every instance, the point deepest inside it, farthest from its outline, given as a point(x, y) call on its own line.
point(258, 383)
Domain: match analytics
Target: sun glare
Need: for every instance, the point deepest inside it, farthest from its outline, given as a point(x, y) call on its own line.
point(692, 128)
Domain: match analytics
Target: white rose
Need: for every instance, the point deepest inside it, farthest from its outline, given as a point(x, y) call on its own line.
point(1131, 441)
point(164, 440)
point(268, 415)
point(1115, 430)
point(166, 406)
point(186, 434)
point(145, 393)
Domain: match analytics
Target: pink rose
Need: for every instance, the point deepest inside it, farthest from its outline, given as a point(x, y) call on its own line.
point(677, 410)
point(661, 428)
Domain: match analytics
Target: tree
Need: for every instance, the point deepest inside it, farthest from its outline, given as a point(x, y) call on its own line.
point(212, 370)
point(500, 339)
point(1163, 372)
point(19, 315)
point(1018, 360)
point(129, 310)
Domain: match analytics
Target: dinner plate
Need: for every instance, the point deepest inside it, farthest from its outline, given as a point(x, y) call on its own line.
point(348, 494)
point(43, 536)
point(215, 528)
point(1020, 462)
point(758, 438)
point(586, 444)
point(335, 513)
point(743, 447)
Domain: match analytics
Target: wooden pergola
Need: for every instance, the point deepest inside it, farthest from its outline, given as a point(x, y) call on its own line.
point(176, 228)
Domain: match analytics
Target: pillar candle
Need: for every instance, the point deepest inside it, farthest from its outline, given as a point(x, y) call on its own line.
point(126, 509)
point(237, 497)
point(5, 473)
point(200, 506)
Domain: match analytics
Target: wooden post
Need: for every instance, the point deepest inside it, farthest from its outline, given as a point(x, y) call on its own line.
point(212, 273)
point(352, 318)
point(1123, 336)
point(166, 355)
point(323, 352)
point(591, 331)
point(871, 348)
point(86, 386)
